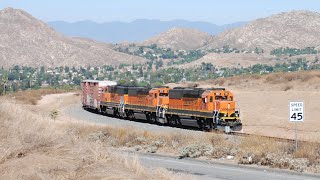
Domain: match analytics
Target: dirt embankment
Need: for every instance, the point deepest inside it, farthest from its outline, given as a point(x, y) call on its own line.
point(267, 113)
point(264, 102)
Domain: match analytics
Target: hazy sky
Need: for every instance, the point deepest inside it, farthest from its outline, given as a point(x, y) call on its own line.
point(218, 12)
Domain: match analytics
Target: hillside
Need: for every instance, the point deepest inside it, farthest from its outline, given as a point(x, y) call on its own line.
point(238, 60)
point(281, 81)
point(296, 29)
point(135, 31)
point(180, 38)
point(25, 40)
point(231, 60)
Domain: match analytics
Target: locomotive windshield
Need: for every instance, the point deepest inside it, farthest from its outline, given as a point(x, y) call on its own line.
point(221, 97)
point(163, 94)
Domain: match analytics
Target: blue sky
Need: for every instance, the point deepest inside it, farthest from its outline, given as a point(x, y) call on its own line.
point(218, 12)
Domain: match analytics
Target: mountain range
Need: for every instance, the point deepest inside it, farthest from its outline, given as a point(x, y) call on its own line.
point(294, 29)
point(25, 40)
point(135, 31)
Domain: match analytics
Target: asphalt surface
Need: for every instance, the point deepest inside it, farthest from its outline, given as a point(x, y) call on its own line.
point(211, 170)
point(197, 168)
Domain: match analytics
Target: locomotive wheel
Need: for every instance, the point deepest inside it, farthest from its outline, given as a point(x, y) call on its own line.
point(105, 112)
point(148, 117)
point(171, 121)
point(130, 115)
point(116, 113)
point(153, 118)
point(122, 115)
point(200, 123)
point(210, 124)
point(177, 121)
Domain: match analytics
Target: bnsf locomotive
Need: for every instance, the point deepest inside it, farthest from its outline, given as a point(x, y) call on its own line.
point(213, 108)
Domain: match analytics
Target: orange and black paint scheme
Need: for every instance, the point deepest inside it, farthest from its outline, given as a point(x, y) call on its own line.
point(213, 108)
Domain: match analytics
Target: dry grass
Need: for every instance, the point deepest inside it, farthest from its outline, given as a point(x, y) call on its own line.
point(132, 163)
point(269, 152)
point(259, 147)
point(300, 80)
point(220, 81)
point(261, 150)
point(36, 147)
point(282, 78)
point(32, 96)
point(311, 151)
point(287, 87)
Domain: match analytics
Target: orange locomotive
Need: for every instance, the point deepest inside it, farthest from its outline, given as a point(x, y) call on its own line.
point(210, 108)
point(127, 102)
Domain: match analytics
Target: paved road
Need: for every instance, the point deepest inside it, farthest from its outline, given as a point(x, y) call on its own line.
point(210, 170)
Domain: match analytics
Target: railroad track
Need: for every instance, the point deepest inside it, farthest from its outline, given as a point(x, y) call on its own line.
point(193, 128)
point(262, 136)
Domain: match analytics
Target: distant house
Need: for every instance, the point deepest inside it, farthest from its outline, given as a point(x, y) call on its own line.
point(44, 84)
point(140, 79)
point(220, 72)
point(49, 71)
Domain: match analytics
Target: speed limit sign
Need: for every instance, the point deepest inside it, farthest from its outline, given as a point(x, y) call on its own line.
point(296, 111)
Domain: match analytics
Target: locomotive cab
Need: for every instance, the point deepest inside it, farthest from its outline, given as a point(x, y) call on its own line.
point(221, 102)
point(159, 96)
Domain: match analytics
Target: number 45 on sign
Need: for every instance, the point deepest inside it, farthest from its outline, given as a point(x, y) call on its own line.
point(296, 111)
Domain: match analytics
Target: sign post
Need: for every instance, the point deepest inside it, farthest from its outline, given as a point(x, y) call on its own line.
point(296, 114)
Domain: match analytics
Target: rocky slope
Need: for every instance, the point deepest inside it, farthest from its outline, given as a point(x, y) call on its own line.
point(25, 40)
point(296, 29)
point(180, 38)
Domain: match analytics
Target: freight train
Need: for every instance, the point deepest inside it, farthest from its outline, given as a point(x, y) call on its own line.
point(212, 108)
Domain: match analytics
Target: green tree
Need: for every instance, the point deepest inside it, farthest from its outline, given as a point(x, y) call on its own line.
point(66, 69)
point(156, 84)
point(153, 46)
point(122, 82)
point(140, 72)
point(159, 64)
point(4, 82)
